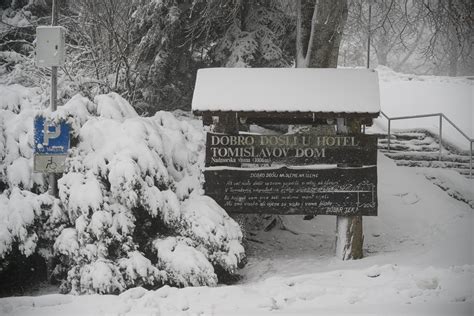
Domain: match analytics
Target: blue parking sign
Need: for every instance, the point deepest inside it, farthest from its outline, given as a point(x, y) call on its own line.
point(51, 138)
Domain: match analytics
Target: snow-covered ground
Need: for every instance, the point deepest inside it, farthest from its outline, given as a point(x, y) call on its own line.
point(418, 261)
point(418, 252)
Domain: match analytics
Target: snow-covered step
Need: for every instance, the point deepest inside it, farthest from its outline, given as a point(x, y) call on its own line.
point(426, 144)
point(408, 147)
point(414, 141)
point(434, 164)
point(421, 149)
point(410, 135)
point(426, 156)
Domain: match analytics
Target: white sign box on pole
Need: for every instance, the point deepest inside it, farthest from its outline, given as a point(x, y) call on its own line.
point(50, 46)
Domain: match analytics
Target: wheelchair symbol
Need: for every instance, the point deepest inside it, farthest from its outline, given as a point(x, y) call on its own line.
point(51, 164)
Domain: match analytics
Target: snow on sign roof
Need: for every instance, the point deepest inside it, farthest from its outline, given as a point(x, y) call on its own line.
point(286, 90)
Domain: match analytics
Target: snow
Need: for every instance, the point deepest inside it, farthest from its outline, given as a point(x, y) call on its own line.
point(17, 109)
point(20, 172)
point(455, 185)
point(122, 172)
point(67, 243)
point(418, 251)
point(185, 265)
point(18, 211)
point(405, 95)
point(139, 270)
point(418, 261)
point(114, 107)
point(102, 277)
point(151, 165)
point(13, 18)
point(206, 222)
point(101, 221)
point(285, 89)
point(80, 194)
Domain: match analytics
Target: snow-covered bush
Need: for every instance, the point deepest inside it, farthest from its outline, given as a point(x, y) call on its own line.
point(130, 210)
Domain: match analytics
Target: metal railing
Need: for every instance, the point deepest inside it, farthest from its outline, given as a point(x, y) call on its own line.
point(441, 117)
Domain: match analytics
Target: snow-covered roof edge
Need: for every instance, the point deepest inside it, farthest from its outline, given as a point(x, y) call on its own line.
point(287, 90)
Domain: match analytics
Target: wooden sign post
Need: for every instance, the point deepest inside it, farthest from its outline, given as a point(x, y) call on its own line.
point(328, 173)
point(349, 231)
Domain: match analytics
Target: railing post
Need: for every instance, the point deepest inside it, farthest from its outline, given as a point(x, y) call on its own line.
point(440, 134)
point(441, 116)
point(470, 161)
point(388, 139)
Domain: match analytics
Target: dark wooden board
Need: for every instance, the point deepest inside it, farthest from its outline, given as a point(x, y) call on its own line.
point(297, 149)
point(335, 191)
point(289, 117)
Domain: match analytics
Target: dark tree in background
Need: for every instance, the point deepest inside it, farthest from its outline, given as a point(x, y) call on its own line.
point(243, 33)
point(149, 51)
point(162, 58)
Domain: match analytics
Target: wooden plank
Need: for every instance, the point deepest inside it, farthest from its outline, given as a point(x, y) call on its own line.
point(297, 149)
point(290, 117)
point(335, 191)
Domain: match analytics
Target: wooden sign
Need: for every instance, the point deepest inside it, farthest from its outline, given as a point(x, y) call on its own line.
point(297, 149)
point(283, 174)
point(334, 191)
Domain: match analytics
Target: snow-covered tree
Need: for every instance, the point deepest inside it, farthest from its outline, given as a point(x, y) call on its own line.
point(175, 38)
point(161, 56)
point(258, 35)
point(130, 210)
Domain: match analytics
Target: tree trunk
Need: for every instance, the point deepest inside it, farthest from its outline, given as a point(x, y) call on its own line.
point(453, 56)
point(382, 49)
point(319, 32)
point(453, 50)
point(319, 29)
point(244, 12)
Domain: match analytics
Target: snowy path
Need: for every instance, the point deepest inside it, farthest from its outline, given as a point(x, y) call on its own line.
point(419, 261)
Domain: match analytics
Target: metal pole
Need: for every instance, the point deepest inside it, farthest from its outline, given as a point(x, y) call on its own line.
point(368, 34)
point(440, 135)
point(54, 69)
point(388, 141)
point(53, 181)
